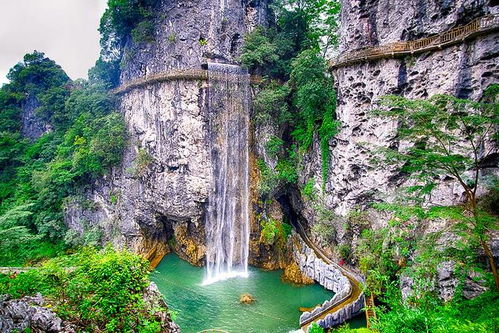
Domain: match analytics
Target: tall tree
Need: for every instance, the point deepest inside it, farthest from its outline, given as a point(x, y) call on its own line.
point(452, 138)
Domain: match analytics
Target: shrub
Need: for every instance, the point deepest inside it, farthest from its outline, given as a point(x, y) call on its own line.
point(141, 163)
point(273, 146)
point(308, 191)
point(96, 290)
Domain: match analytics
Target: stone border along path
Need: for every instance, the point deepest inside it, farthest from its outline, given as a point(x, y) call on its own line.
point(348, 300)
point(15, 270)
point(479, 26)
point(173, 75)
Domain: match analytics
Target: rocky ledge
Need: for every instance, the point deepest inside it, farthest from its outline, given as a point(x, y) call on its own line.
point(18, 315)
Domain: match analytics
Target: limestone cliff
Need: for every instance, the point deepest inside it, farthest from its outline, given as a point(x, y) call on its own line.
point(463, 70)
point(156, 200)
point(32, 125)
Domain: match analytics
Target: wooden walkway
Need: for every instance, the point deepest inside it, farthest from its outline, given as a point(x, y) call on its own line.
point(355, 292)
point(174, 75)
point(479, 26)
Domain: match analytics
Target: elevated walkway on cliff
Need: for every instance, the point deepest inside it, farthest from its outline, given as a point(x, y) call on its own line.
point(480, 26)
point(173, 75)
point(354, 295)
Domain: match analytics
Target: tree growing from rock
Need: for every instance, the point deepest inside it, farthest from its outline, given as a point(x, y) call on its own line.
point(453, 138)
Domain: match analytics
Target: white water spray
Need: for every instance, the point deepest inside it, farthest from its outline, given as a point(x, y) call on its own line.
point(227, 218)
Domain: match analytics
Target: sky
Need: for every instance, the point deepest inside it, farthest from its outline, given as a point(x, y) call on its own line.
point(65, 30)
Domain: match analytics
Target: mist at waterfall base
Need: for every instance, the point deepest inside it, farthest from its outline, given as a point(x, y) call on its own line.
point(227, 218)
point(200, 307)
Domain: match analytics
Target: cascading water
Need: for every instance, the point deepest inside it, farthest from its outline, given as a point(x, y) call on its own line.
point(227, 218)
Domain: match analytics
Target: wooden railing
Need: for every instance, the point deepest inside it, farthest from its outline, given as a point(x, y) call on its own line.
point(370, 312)
point(476, 27)
point(172, 75)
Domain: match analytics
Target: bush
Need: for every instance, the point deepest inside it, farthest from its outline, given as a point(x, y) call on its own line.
point(141, 163)
point(274, 232)
point(324, 231)
point(97, 291)
point(315, 328)
point(308, 191)
point(273, 146)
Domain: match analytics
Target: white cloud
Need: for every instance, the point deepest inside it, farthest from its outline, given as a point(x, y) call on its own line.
point(66, 30)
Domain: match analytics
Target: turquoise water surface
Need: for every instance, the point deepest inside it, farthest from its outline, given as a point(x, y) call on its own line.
point(200, 307)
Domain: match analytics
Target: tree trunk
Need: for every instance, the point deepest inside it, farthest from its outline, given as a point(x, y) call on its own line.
point(492, 262)
point(483, 242)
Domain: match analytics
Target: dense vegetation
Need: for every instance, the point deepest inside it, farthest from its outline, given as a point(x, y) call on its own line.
point(97, 291)
point(448, 136)
point(124, 21)
point(84, 138)
point(290, 55)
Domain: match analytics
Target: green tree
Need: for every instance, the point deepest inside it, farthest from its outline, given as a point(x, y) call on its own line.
point(451, 137)
point(14, 232)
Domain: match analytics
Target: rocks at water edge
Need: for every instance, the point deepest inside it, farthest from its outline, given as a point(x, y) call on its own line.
point(155, 302)
point(293, 274)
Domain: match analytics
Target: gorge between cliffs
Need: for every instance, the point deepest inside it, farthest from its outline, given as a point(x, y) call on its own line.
point(257, 166)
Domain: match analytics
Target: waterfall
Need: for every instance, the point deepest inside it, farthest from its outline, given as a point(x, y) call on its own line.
point(227, 218)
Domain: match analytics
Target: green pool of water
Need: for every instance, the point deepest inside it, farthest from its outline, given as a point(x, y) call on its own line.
point(217, 305)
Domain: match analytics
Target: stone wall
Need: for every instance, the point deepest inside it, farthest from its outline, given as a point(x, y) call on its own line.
point(331, 277)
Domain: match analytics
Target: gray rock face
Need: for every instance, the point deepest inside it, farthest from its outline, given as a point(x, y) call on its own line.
point(463, 70)
point(32, 126)
point(448, 281)
point(28, 312)
point(191, 33)
point(160, 191)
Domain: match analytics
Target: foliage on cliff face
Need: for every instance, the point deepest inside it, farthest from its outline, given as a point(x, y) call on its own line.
point(97, 291)
point(453, 138)
point(124, 21)
point(299, 95)
point(444, 137)
point(87, 138)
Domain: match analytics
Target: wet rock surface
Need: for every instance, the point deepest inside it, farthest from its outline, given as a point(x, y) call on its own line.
point(246, 299)
point(293, 274)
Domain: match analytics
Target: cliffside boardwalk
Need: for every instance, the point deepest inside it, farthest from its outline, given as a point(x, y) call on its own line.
point(369, 306)
point(479, 26)
point(355, 292)
point(172, 75)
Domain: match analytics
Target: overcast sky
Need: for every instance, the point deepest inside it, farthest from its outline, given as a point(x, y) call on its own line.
point(65, 30)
